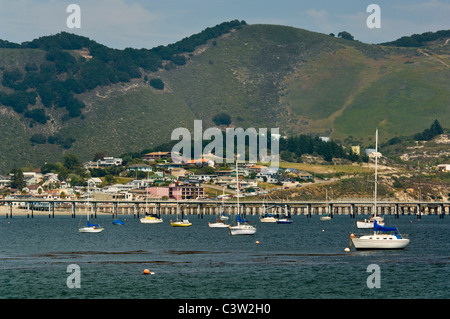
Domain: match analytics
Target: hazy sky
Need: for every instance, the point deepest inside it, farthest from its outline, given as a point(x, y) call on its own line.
point(149, 23)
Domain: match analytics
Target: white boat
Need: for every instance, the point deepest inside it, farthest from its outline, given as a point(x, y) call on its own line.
point(327, 216)
point(286, 219)
point(90, 228)
point(242, 227)
point(218, 224)
point(382, 237)
point(151, 219)
point(368, 223)
point(266, 217)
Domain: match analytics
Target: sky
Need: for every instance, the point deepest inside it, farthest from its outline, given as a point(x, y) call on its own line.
point(149, 23)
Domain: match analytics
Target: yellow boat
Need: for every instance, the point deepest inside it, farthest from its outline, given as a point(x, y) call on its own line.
point(181, 223)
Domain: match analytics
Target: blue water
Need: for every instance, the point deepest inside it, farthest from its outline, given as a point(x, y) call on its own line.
point(302, 260)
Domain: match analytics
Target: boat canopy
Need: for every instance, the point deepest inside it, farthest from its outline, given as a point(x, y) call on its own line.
point(241, 220)
point(377, 227)
point(91, 225)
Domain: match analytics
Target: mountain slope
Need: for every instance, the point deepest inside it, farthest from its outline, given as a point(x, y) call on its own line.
point(261, 75)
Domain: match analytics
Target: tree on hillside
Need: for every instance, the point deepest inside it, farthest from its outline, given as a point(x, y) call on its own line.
point(345, 35)
point(98, 156)
point(71, 162)
point(222, 118)
point(157, 84)
point(429, 133)
point(17, 179)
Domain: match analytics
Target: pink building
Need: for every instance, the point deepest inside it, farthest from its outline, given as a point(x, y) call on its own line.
point(177, 192)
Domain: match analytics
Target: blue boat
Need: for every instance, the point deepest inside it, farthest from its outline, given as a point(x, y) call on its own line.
point(118, 222)
point(284, 221)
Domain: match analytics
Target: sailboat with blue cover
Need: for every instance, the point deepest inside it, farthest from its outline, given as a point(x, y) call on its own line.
point(382, 237)
point(90, 228)
point(242, 227)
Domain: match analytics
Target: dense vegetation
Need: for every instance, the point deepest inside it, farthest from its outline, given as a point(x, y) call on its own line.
point(292, 148)
point(429, 133)
point(64, 74)
point(418, 40)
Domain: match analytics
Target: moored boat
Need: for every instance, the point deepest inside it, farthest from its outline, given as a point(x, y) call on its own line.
point(382, 238)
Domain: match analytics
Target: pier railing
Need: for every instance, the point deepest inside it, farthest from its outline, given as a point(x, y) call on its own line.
point(211, 207)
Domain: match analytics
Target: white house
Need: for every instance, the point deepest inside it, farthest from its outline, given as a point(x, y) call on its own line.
point(443, 167)
point(105, 162)
point(371, 153)
point(140, 167)
point(94, 181)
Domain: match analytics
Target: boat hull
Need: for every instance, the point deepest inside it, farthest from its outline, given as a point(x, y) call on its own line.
point(151, 220)
point(325, 218)
point(371, 242)
point(218, 225)
point(90, 230)
point(242, 230)
point(269, 220)
point(183, 223)
point(284, 221)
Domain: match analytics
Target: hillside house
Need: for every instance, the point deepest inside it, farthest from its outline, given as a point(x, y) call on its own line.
point(156, 156)
point(140, 167)
point(94, 182)
point(102, 163)
point(443, 167)
point(4, 181)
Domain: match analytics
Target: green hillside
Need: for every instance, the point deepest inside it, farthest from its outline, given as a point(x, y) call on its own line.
point(261, 75)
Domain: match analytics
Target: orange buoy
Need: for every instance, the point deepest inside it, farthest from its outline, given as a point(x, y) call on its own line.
point(257, 242)
point(146, 272)
point(352, 236)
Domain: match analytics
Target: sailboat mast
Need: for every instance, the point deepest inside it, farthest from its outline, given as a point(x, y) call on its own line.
point(376, 173)
point(237, 186)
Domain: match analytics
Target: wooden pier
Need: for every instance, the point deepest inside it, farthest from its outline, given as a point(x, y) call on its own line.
point(213, 207)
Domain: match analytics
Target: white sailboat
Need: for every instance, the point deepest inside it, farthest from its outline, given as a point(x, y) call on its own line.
point(266, 217)
point(220, 222)
point(327, 216)
point(242, 227)
point(90, 228)
point(369, 222)
point(286, 219)
point(382, 237)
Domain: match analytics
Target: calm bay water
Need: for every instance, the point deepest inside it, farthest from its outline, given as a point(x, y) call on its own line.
point(303, 260)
